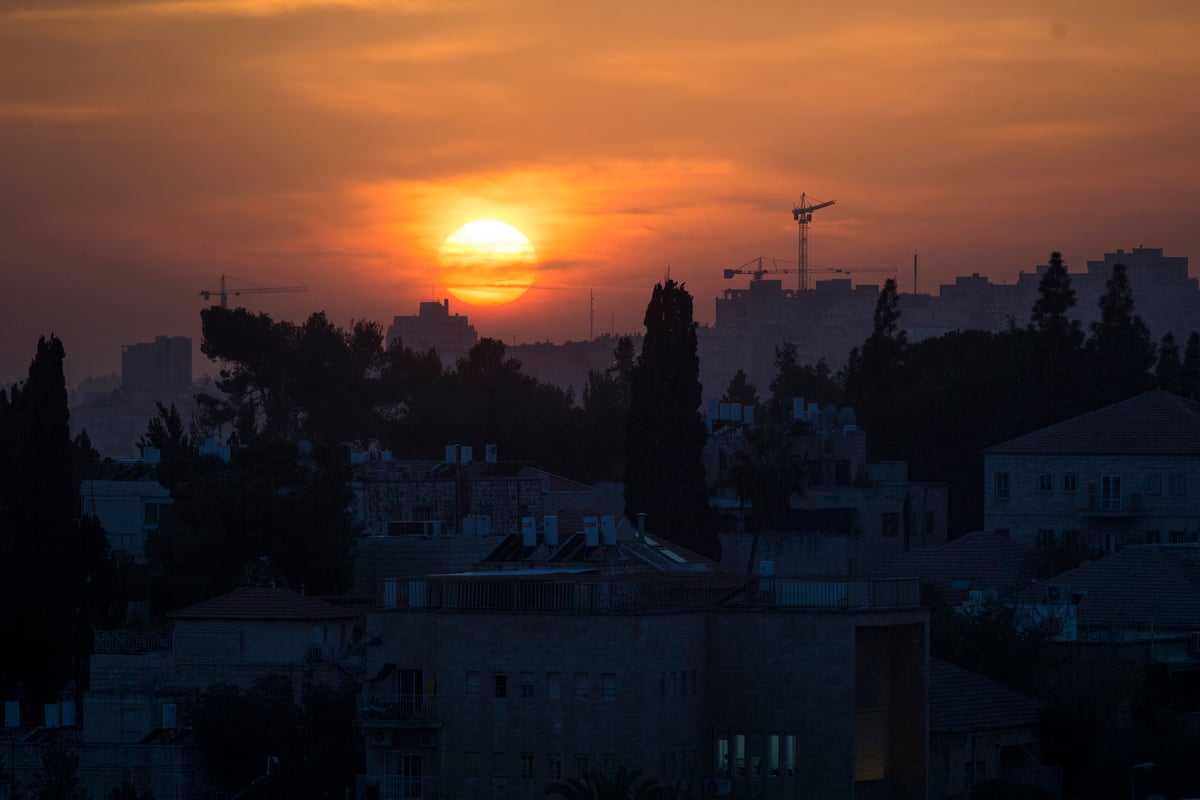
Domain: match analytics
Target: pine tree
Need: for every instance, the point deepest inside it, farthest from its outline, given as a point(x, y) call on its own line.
point(1189, 373)
point(1167, 369)
point(664, 471)
point(1120, 346)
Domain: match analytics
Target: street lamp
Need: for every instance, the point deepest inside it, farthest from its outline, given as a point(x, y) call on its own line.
point(1133, 771)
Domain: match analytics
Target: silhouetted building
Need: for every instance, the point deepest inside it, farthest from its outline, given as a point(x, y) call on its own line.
point(433, 328)
point(563, 656)
point(161, 367)
point(844, 515)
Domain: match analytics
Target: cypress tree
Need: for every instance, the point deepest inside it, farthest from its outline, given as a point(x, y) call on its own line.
point(1120, 347)
point(664, 470)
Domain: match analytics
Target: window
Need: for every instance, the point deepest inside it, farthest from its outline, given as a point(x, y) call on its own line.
point(581, 686)
point(554, 766)
point(472, 684)
point(929, 523)
point(1154, 484)
point(790, 751)
point(891, 523)
point(976, 771)
point(1069, 482)
point(739, 753)
point(526, 684)
point(497, 765)
point(1177, 537)
point(553, 691)
point(1000, 488)
point(722, 765)
point(1045, 483)
point(581, 765)
point(1110, 492)
point(1153, 537)
point(500, 684)
point(608, 764)
point(1178, 484)
point(773, 754)
point(471, 764)
point(1045, 538)
point(608, 687)
point(526, 766)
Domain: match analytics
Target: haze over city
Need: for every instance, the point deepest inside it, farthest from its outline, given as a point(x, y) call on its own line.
point(149, 147)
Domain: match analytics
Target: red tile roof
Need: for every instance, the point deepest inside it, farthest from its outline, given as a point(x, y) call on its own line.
point(1152, 423)
point(264, 603)
point(961, 701)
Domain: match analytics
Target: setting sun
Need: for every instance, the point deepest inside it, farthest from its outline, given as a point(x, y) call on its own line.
point(487, 263)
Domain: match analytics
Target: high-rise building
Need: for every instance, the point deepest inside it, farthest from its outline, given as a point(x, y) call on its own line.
point(161, 366)
point(434, 328)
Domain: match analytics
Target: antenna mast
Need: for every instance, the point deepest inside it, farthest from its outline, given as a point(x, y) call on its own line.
point(803, 215)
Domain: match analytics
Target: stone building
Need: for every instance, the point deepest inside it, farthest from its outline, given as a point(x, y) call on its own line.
point(846, 516)
point(1124, 474)
point(638, 654)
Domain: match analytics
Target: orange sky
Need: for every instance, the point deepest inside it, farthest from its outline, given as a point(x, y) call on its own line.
point(148, 147)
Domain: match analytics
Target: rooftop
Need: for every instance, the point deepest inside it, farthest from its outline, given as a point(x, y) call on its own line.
point(264, 603)
point(961, 701)
point(1151, 423)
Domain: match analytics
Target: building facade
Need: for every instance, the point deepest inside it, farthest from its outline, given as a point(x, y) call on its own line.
point(1128, 473)
point(493, 685)
point(434, 328)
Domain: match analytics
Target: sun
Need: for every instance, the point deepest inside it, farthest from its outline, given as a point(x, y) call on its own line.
point(487, 263)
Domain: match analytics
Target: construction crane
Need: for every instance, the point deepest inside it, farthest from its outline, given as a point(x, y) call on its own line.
point(803, 215)
point(223, 292)
point(754, 267)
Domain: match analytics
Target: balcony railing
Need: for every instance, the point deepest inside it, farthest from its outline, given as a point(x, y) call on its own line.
point(398, 707)
point(632, 594)
point(132, 642)
point(395, 787)
point(1101, 503)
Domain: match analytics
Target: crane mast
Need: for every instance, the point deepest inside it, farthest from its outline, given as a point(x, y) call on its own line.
point(803, 215)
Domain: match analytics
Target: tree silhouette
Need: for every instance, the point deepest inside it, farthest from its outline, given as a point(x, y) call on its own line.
point(1120, 346)
point(741, 390)
point(1189, 372)
point(1167, 368)
point(1055, 299)
point(664, 472)
point(623, 785)
point(59, 776)
point(765, 473)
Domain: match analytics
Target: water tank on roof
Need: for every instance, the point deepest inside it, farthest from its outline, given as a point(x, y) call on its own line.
point(529, 531)
point(550, 529)
point(591, 532)
point(608, 529)
point(798, 408)
point(12, 713)
point(170, 716)
point(66, 711)
point(748, 415)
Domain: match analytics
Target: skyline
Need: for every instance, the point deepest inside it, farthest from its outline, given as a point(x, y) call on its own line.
point(149, 147)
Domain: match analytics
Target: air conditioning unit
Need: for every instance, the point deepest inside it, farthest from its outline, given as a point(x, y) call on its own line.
point(718, 787)
point(427, 740)
point(1057, 593)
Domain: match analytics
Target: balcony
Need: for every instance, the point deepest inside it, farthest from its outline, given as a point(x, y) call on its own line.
point(1101, 504)
point(388, 710)
point(395, 787)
